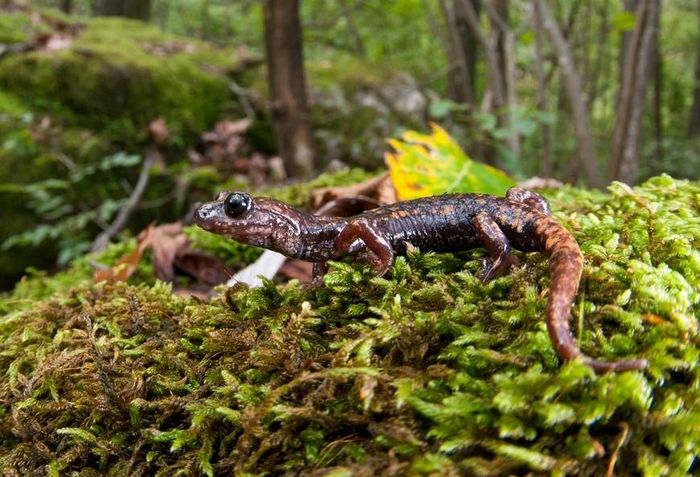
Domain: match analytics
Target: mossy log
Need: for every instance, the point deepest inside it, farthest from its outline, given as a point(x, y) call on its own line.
point(425, 372)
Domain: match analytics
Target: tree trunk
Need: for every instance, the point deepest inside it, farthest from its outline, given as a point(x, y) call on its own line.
point(139, 9)
point(657, 72)
point(495, 78)
point(638, 58)
point(287, 83)
point(504, 41)
point(497, 11)
point(66, 6)
point(461, 52)
point(545, 168)
point(694, 119)
point(574, 93)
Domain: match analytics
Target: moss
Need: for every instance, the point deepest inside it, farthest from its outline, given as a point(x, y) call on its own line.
point(14, 28)
point(10, 106)
point(96, 96)
point(114, 78)
point(424, 372)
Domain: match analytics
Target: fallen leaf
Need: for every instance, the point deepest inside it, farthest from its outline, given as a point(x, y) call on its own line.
point(171, 252)
point(347, 206)
point(202, 266)
point(167, 241)
point(158, 129)
point(297, 269)
point(429, 164)
point(126, 266)
point(379, 189)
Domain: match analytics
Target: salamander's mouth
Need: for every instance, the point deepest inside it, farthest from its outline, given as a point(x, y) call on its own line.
point(206, 215)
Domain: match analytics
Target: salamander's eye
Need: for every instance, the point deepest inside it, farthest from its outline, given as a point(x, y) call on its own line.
point(236, 204)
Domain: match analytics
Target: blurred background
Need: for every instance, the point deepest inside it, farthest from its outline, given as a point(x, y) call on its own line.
point(148, 106)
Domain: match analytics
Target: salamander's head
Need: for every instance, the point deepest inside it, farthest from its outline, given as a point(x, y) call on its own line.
point(255, 221)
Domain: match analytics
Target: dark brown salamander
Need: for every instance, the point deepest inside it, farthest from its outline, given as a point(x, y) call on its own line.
point(444, 223)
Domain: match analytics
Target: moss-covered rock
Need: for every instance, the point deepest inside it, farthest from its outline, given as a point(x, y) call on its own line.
point(355, 106)
point(119, 74)
point(65, 109)
point(425, 372)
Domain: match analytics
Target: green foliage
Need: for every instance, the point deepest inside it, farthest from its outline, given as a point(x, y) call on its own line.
point(54, 202)
point(447, 375)
point(11, 27)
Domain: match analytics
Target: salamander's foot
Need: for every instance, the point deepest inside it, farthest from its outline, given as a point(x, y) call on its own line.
point(502, 263)
point(317, 273)
point(497, 244)
point(529, 198)
point(378, 251)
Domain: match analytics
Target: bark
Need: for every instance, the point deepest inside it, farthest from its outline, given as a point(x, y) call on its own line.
point(546, 168)
point(657, 69)
point(139, 9)
point(287, 83)
point(694, 118)
point(638, 58)
point(495, 79)
point(66, 6)
point(461, 55)
point(574, 93)
point(504, 41)
point(497, 11)
point(598, 67)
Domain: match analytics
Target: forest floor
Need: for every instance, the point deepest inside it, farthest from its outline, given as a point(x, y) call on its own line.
point(427, 371)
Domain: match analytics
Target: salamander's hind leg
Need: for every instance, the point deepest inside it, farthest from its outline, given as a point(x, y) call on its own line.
point(529, 198)
point(496, 243)
point(381, 256)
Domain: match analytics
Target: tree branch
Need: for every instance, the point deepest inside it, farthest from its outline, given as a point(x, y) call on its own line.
point(100, 243)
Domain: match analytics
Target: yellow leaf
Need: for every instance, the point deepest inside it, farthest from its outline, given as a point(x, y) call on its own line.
point(430, 164)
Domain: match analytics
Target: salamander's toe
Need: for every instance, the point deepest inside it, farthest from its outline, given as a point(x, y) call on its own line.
point(493, 268)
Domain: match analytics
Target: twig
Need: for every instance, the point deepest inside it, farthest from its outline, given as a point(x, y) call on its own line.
point(242, 95)
point(100, 243)
point(620, 441)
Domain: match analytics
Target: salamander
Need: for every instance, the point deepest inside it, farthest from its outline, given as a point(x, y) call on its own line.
point(453, 222)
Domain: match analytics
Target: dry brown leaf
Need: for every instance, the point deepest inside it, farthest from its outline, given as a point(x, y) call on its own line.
point(170, 252)
point(379, 189)
point(167, 241)
point(158, 129)
point(299, 269)
point(202, 266)
point(126, 266)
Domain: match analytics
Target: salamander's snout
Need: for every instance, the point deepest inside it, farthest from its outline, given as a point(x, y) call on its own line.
point(205, 215)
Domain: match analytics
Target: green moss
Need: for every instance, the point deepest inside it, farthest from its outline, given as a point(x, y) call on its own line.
point(14, 27)
point(10, 106)
point(427, 371)
point(115, 77)
point(347, 72)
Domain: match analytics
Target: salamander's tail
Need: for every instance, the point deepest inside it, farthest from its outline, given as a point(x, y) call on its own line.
point(566, 265)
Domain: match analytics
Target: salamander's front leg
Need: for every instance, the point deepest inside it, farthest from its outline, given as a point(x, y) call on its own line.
point(318, 271)
point(527, 197)
point(496, 243)
point(381, 256)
